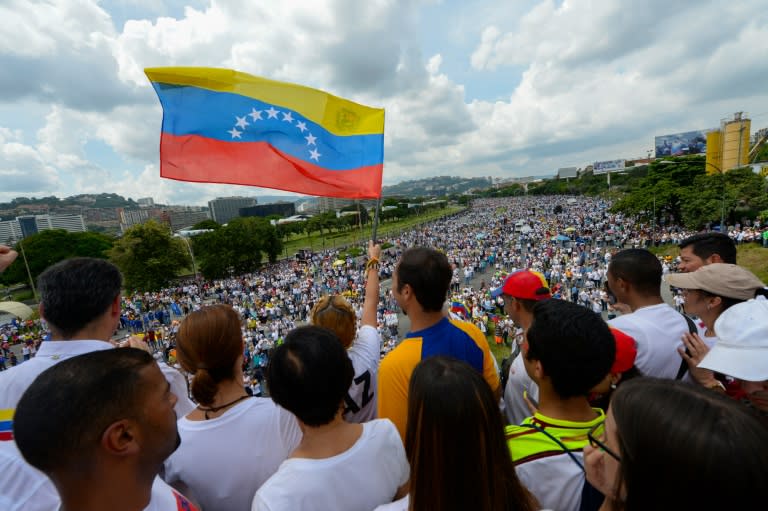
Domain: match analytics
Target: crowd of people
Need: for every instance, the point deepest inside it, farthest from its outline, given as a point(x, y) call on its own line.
point(604, 378)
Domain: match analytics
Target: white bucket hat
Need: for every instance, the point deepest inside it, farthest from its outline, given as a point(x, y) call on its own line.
point(742, 348)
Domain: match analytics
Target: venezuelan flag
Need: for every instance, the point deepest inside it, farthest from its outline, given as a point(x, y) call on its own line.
point(6, 424)
point(459, 308)
point(224, 126)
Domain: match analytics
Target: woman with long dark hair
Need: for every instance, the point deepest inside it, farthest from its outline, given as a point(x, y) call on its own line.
point(455, 444)
point(669, 445)
point(231, 443)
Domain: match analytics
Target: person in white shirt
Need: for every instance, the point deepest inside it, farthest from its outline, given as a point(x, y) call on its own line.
point(634, 277)
point(231, 443)
point(100, 425)
point(338, 465)
point(80, 301)
point(336, 314)
point(521, 291)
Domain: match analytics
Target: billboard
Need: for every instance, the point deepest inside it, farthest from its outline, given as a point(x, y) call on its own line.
point(602, 167)
point(680, 144)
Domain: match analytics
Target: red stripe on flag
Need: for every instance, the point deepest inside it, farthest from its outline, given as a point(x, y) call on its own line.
point(204, 160)
point(6, 435)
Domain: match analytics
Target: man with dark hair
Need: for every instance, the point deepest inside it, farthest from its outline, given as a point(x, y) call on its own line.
point(338, 465)
point(568, 350)
point(634, 276)
point(80, 301)
point(706, 248)
point(420, 286)
point(521, 291)
point(100, 426)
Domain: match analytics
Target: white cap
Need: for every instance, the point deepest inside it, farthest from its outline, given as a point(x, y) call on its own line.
point(742, 348)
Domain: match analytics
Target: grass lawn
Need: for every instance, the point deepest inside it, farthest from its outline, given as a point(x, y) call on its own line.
point(500, 351)
point(749, 255)
point(358, 236)
point(22, 294)
point(755, 258)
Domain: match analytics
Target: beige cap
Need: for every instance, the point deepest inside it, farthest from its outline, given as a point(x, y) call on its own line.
point(721, 279)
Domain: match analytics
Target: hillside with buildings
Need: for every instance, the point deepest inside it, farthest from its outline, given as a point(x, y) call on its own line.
point(437, 186)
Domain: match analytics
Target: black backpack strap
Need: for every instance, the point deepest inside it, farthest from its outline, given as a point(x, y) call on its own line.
point(557, 441)
point(683, 364)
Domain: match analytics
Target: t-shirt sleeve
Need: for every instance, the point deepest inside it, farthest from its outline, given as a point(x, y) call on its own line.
point(393, 391)
point(490, 369)
point(290, 432)
point(490, 373)
point(259, 504)
point(367, 346)
point(403, 468)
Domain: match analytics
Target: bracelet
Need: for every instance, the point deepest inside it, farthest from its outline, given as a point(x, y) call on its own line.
point(373, 262)
point(716, 385)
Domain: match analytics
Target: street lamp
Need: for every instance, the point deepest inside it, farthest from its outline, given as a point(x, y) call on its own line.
point(29, 273)
point(191, 255)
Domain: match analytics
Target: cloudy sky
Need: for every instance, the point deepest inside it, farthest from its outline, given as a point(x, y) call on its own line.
point(501, 88)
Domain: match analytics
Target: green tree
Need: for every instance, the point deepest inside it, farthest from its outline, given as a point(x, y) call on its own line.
point(51, 246)
point(663, 190)
point(149, 256)
point(364, 215)
point(206, 224)
point(237, 248)
point(737, 193)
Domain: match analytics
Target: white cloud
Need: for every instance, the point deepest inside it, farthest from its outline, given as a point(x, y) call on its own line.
point(23, 170)
point(587, 80)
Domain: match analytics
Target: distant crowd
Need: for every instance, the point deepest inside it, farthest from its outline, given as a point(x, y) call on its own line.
point(299, 387)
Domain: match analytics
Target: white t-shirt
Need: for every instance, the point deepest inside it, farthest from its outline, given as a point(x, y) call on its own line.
point(514, 405)
point(165, 498)
point(398, 505)
point(364, 476)
point(28, 488)
point(224, 460)
point(365, 355)
point(23, 487)
point(658, 331)
point(557, 481)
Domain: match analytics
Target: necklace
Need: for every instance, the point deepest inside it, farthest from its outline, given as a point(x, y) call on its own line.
point(214, 409)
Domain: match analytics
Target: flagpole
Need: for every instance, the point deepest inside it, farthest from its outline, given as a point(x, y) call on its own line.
point(376, 219)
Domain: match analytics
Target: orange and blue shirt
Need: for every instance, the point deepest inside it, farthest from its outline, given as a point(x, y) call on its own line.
point(447, 337)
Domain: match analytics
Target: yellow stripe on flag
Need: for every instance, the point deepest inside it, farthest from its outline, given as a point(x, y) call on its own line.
point(338, 115)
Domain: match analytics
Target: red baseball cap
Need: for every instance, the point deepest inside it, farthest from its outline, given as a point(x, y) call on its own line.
point(525, 285)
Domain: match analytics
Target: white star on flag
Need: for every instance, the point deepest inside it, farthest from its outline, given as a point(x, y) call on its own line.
point(234, 133)
point(302, 126)
point(255, 114)
point(272, 113)
point(287, 117)
point(241, 122)
point(311, 139)
point(314, 155)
